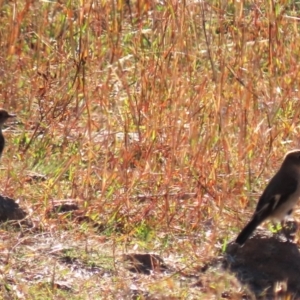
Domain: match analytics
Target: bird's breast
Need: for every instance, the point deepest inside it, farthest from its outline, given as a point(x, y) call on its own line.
point(286, 206)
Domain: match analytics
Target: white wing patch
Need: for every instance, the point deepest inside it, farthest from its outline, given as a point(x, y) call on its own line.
point(276, 198)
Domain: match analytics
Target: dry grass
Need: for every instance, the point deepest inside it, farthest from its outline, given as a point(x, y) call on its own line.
point(161, 119)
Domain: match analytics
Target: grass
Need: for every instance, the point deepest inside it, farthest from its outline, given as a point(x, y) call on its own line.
point(163, 121)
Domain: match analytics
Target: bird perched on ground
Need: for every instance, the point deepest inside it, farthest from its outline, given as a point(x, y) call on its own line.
point(4, 115)
point(279, 197)
point(9, 209)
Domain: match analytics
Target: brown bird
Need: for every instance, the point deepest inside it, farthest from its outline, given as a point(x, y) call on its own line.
point(279, 197)
point(4, 115)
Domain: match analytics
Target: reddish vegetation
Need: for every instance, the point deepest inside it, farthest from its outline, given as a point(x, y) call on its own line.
point(160, 121)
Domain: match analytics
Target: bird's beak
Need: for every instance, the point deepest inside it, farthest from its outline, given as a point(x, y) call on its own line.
point(12, 115)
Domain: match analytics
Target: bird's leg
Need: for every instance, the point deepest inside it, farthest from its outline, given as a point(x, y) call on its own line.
point(289, 228)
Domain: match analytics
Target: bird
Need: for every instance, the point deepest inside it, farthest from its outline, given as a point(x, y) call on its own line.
point(4, 116)
point(279, 197)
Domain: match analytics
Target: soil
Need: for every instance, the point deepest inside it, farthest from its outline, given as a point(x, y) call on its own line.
point(268, 266)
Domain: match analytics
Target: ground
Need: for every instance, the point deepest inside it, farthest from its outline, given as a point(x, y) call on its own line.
point(145, 127)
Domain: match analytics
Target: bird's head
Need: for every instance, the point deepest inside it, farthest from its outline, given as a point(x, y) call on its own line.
point(4, 115)
point(292, 159)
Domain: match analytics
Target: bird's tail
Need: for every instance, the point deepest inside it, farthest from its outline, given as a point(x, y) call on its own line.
point(247, 231)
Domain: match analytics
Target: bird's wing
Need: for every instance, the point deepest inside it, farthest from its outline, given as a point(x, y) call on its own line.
point(274, 195)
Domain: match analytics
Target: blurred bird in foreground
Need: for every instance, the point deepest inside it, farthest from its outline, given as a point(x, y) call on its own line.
point(4, 115)
point(279, 197)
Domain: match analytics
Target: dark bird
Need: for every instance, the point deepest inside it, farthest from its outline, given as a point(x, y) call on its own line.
point(279, 197)
point(9, 209)
point(4, 115)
